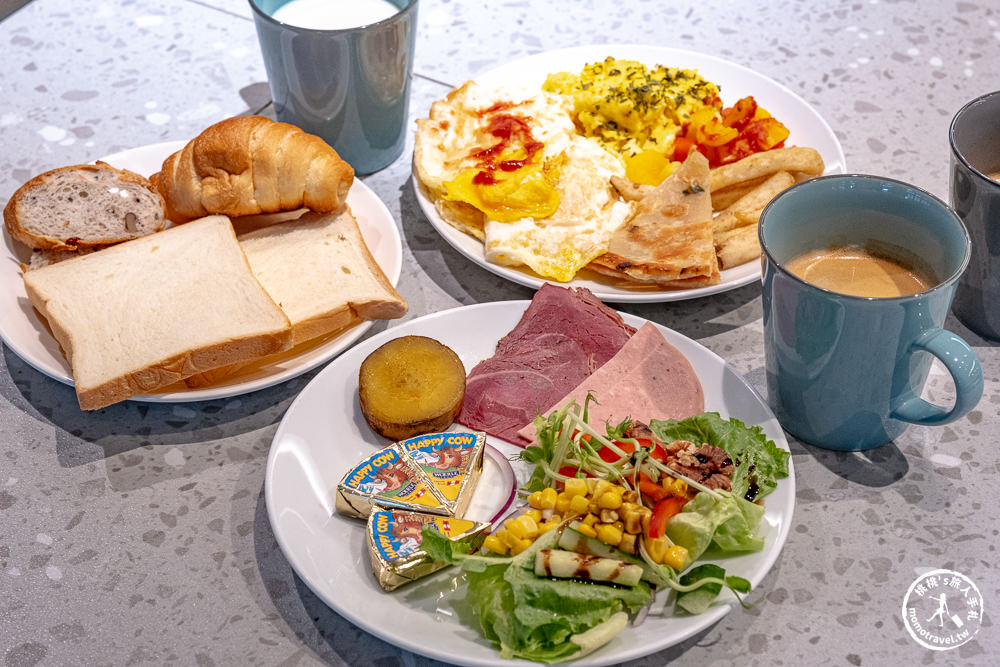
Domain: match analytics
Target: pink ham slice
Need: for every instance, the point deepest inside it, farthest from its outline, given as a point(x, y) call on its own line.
point(562, 338)
point(648, 379)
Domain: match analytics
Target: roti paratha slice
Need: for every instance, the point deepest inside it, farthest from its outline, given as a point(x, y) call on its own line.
point(669, 240)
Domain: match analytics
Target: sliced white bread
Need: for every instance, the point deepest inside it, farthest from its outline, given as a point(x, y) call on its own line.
point(321, 273)
point(84, 206)
point(149, 312)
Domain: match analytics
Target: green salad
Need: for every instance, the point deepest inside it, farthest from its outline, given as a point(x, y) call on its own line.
point(616, 521)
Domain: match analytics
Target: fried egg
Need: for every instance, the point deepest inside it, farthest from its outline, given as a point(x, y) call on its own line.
point(508, 166)
point(580, 229)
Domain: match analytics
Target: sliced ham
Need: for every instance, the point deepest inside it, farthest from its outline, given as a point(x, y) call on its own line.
point(562, 338)
point(648, 379)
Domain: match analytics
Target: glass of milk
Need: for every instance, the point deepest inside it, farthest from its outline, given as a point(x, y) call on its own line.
point(340, 69)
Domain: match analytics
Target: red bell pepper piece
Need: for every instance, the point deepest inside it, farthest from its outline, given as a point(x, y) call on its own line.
point(664, 509)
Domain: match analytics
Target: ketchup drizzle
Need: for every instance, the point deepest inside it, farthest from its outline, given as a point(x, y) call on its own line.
point(509, 129)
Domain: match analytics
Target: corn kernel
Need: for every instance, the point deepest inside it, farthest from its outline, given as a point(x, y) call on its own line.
point(536, 515)
point(610, 500)
point(590, 519)
point(587, 530)
point(680, 488)
point(656, 548)
point(600, 488)
point(548, 498)
point(676, 557)
point(576, 487)
point(504, 536)
point(562, 503)
point(555, 517)
point(495, 544)
point(609, 534)
point(523, 527)
point(519, 546)
point(546, 526)
point(633, 519)
point(535, 500)
point(628, 543)
point(578, 504)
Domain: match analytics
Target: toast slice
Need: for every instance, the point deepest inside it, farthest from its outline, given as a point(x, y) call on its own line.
point(84, 206)
point(149, 312)
point(319, 270)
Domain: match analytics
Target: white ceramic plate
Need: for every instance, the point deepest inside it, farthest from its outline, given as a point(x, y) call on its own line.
point(807, 128)
point(23, 332)
point(324, 433)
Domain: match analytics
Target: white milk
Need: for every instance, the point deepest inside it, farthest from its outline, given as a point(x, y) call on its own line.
point(334, 14)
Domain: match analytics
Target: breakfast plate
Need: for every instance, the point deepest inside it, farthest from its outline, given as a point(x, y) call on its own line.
point(323, 434)
point(23, 331)
point(735, 81)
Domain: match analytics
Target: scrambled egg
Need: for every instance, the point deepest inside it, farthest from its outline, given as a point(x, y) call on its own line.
point(509, 167)
point(635, 112)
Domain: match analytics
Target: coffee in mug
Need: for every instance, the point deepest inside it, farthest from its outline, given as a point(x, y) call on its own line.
point(846, 371)
point(872, 270)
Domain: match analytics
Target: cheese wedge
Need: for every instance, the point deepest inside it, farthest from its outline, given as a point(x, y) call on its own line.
point(394, 543)
point(389, 479)
point(451, 462)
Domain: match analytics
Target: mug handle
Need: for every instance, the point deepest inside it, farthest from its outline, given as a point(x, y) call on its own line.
point(963, 364)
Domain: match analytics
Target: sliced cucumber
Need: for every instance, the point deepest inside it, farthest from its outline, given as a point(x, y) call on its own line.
point(574, 565)
point(573, 540)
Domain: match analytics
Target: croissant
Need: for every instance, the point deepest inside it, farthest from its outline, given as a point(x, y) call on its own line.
point(249, 165)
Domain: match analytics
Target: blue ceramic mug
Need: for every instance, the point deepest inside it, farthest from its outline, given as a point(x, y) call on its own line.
point(845, 372)
point(349, 86)
point(975, 155)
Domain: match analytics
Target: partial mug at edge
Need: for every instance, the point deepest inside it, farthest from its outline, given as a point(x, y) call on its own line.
point(974, 137)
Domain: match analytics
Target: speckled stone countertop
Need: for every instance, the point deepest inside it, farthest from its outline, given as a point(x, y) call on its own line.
point(138, 534)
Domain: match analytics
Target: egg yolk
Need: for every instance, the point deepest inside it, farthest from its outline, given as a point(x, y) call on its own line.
point(506, 195)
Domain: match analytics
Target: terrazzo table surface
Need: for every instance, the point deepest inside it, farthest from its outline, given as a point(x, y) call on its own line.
point(138, 534)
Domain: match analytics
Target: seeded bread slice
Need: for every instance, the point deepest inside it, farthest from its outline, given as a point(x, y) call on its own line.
point(84, 206)
point(40, 258)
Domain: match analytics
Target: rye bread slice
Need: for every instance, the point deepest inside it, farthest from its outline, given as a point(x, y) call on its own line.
point(84, 206)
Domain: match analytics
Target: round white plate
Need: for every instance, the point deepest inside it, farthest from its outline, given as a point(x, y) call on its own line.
point(24, 333)
point(323, 434)
point(806, 126)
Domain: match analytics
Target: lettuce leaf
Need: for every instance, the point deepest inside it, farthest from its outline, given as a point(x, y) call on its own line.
point(527, 616)
point(709, 579)
point(727, 524)
point(758, 462)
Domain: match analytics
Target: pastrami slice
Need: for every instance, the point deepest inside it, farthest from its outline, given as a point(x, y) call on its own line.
point(564, 336)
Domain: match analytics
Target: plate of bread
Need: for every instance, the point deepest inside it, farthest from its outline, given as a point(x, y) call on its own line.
point(581, 167)
point(189, 271)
